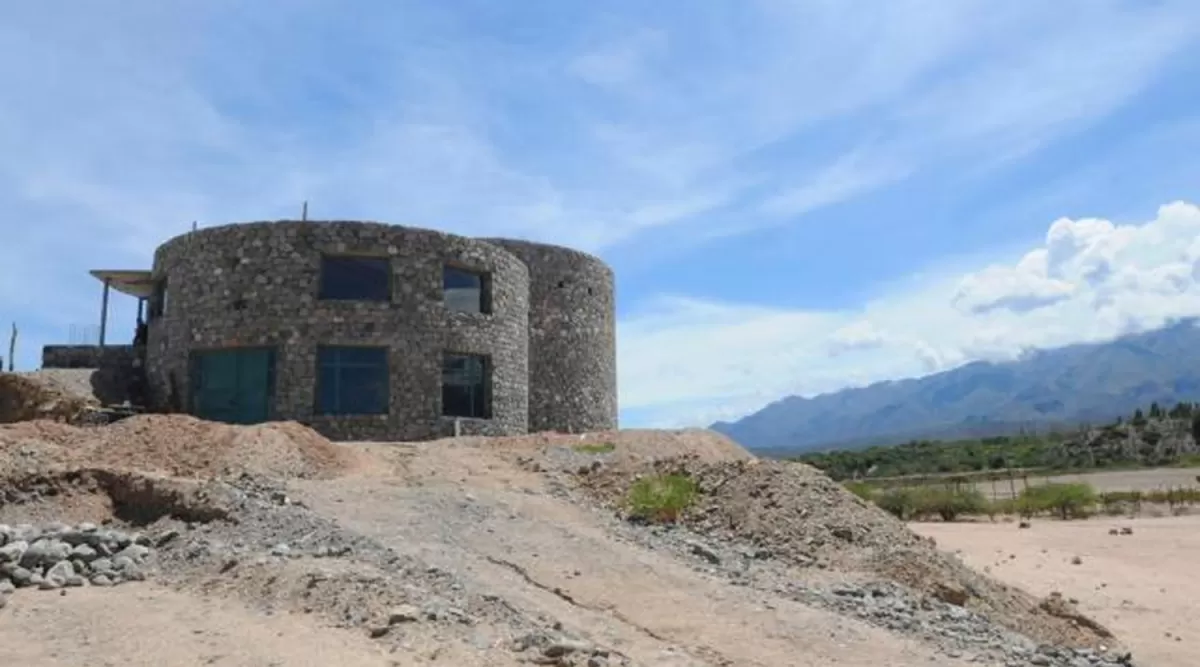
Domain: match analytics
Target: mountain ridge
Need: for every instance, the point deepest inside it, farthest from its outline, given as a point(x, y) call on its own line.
point(1056, 387)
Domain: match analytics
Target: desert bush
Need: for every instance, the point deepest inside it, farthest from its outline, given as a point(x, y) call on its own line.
point(862, 490)
point(900, 502)
point(595, 448)
point(1002, 506)
point(1068, 501)
point(1174, 496)
point(1113, 503)
point(661, 498)
point(949, 503)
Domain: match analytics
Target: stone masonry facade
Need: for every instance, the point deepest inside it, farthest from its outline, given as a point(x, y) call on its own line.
point(550, 350)
point(572, 338)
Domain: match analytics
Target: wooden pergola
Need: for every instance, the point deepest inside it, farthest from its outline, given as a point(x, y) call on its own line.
point(136, 283)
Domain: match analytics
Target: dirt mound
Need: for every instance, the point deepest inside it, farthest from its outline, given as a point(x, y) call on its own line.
point(54, 396)
point(623, 447)
point(176, 445)
point(794, 512)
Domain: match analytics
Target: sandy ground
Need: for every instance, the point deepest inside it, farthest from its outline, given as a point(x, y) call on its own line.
point(1143, 585)
point(150, 626)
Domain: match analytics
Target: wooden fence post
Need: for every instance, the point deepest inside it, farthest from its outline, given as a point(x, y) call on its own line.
point(12, 347)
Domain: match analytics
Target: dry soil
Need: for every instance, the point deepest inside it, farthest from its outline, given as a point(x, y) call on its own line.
point(1145, 584)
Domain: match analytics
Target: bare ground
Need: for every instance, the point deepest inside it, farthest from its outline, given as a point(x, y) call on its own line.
point(1144, 583)
point(500, 550)
point(152, 626)
point(503, 529)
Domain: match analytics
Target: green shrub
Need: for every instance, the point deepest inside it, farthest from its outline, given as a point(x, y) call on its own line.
point(949, 503)
point(1001, 506)
point(661, 498)
point(595, 448)
point(1068, 501)
point(862, 490)
point(899, 502)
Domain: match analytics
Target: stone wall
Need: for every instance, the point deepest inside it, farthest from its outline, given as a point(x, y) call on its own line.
point(87, 356)
point(572, 338)
point(256, 284)
point(115, 372)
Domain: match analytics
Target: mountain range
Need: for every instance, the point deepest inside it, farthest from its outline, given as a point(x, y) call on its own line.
point(1043, 389)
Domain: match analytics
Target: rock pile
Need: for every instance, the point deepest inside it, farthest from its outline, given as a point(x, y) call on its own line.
point(58, 555)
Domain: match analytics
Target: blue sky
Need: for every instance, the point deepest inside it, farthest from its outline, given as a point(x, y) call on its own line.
point(796, 196)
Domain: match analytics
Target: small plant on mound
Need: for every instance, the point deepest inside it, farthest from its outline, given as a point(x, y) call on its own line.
point(661, 498)
point(595, 448)
point(949, 503)
point(1068, 501)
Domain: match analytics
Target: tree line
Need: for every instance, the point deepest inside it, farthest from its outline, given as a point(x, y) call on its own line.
point(1151, 438)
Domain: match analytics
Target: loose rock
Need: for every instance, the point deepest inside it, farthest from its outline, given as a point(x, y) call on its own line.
point(58, 556)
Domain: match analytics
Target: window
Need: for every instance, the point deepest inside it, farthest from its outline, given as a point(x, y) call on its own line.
point(352, 380)
point(356, 278)
point(465, 291)
point(465, 386)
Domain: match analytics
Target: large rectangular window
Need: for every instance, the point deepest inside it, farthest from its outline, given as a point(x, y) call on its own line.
point(356, 278)
point(466, 390)
point(464, 290)
point(352, 380)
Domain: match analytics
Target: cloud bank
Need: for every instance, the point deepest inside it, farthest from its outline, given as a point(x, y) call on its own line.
point(691, 361)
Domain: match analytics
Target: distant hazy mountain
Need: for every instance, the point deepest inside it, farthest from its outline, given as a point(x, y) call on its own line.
point(1057, 387)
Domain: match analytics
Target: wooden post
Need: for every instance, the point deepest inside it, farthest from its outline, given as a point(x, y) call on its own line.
point(12, 347)
point(104, 311)
point(304, 212)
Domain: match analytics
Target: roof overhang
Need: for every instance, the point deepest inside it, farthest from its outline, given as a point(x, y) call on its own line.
point(139, 284)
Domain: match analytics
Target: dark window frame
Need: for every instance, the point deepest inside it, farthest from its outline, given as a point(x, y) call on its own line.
point(338, 365)
point(485, 287)
point(324, 293)
point(157, 306)
point(484, 410)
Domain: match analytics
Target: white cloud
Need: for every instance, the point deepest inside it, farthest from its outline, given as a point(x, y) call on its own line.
point(691, 361)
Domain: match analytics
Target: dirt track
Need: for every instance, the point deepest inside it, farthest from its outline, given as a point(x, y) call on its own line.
point(1136, 480)
point(1145, 584)
point(508, 532)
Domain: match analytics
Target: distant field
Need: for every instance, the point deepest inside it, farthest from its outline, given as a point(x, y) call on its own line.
point(1135, 480)
point(1114, 480)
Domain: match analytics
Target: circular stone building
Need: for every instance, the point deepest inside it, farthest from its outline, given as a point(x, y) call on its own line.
point(372, 331)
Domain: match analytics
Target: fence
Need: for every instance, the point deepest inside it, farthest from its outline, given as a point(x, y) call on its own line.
point(83, 334)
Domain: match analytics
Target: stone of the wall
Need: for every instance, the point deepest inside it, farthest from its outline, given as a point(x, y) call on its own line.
point(572, 338)
point(256, 285)
point(87, 356)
